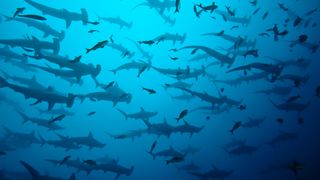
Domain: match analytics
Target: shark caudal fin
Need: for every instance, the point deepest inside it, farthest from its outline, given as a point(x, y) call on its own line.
point(84, 16)
point(3, 82)
point(34, 173)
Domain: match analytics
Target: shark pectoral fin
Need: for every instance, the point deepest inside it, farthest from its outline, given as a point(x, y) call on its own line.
point(45, 35)
point(50, 106)
point(35, 103)
point(68, 23)
point(117, 176)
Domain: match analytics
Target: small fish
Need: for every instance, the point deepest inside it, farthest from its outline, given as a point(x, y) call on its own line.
point(18, 11)
point(154, 144)
point(110, 84)
point(99, 45)
point(76, 59)
point(182, 114)
point(93, 23)
point(174, 58)
point(174, 50)
point(58, 118)
point(93, 30)
point(149, 42)
point(281, 5)
point(2, 153)
point(303, 38)
point(311, 11)
point(236, 126)
point(91, 113)
point(297, 21)
point(150, 91)
point(90, 162)
point(256, 11)
point(280, 120)
point(33, 16)
point(265, 15)
point(208, 118)
point(64, 160)
point(242, 107)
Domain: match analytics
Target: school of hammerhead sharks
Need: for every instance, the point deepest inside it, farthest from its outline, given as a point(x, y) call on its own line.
point(283, 78)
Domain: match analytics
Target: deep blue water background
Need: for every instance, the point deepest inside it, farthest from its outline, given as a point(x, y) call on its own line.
point(147, 24)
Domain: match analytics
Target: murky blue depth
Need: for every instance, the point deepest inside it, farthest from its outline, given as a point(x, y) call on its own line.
point(159, 89)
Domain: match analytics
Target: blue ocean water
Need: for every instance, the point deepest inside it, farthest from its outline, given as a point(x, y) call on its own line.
point(275, 45)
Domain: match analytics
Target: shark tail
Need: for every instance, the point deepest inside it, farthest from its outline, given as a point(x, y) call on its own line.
point(84, 15)
point(34, 173)
point(3, 82)
point(123, 113)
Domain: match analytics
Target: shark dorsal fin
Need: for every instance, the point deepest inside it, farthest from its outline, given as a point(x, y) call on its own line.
point(165, 121)
point(185, 122)
point(90, 135)
point(142, 109)
point(34, 78)
point(34, 38)
point(50, 88)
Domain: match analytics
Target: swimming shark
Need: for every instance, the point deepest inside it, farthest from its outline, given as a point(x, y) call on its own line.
point(8, 55)
point(187, 128)
point(118, 21)
point(114, 94)
point(33, 43)
point(48, 95)
point(88, 141)
point(214, 173)
point(142, 114)
point(224, 59)
point(40, 122)
point(170, 37)
point(36, 175)
point(45, 28)
point(63, 14)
